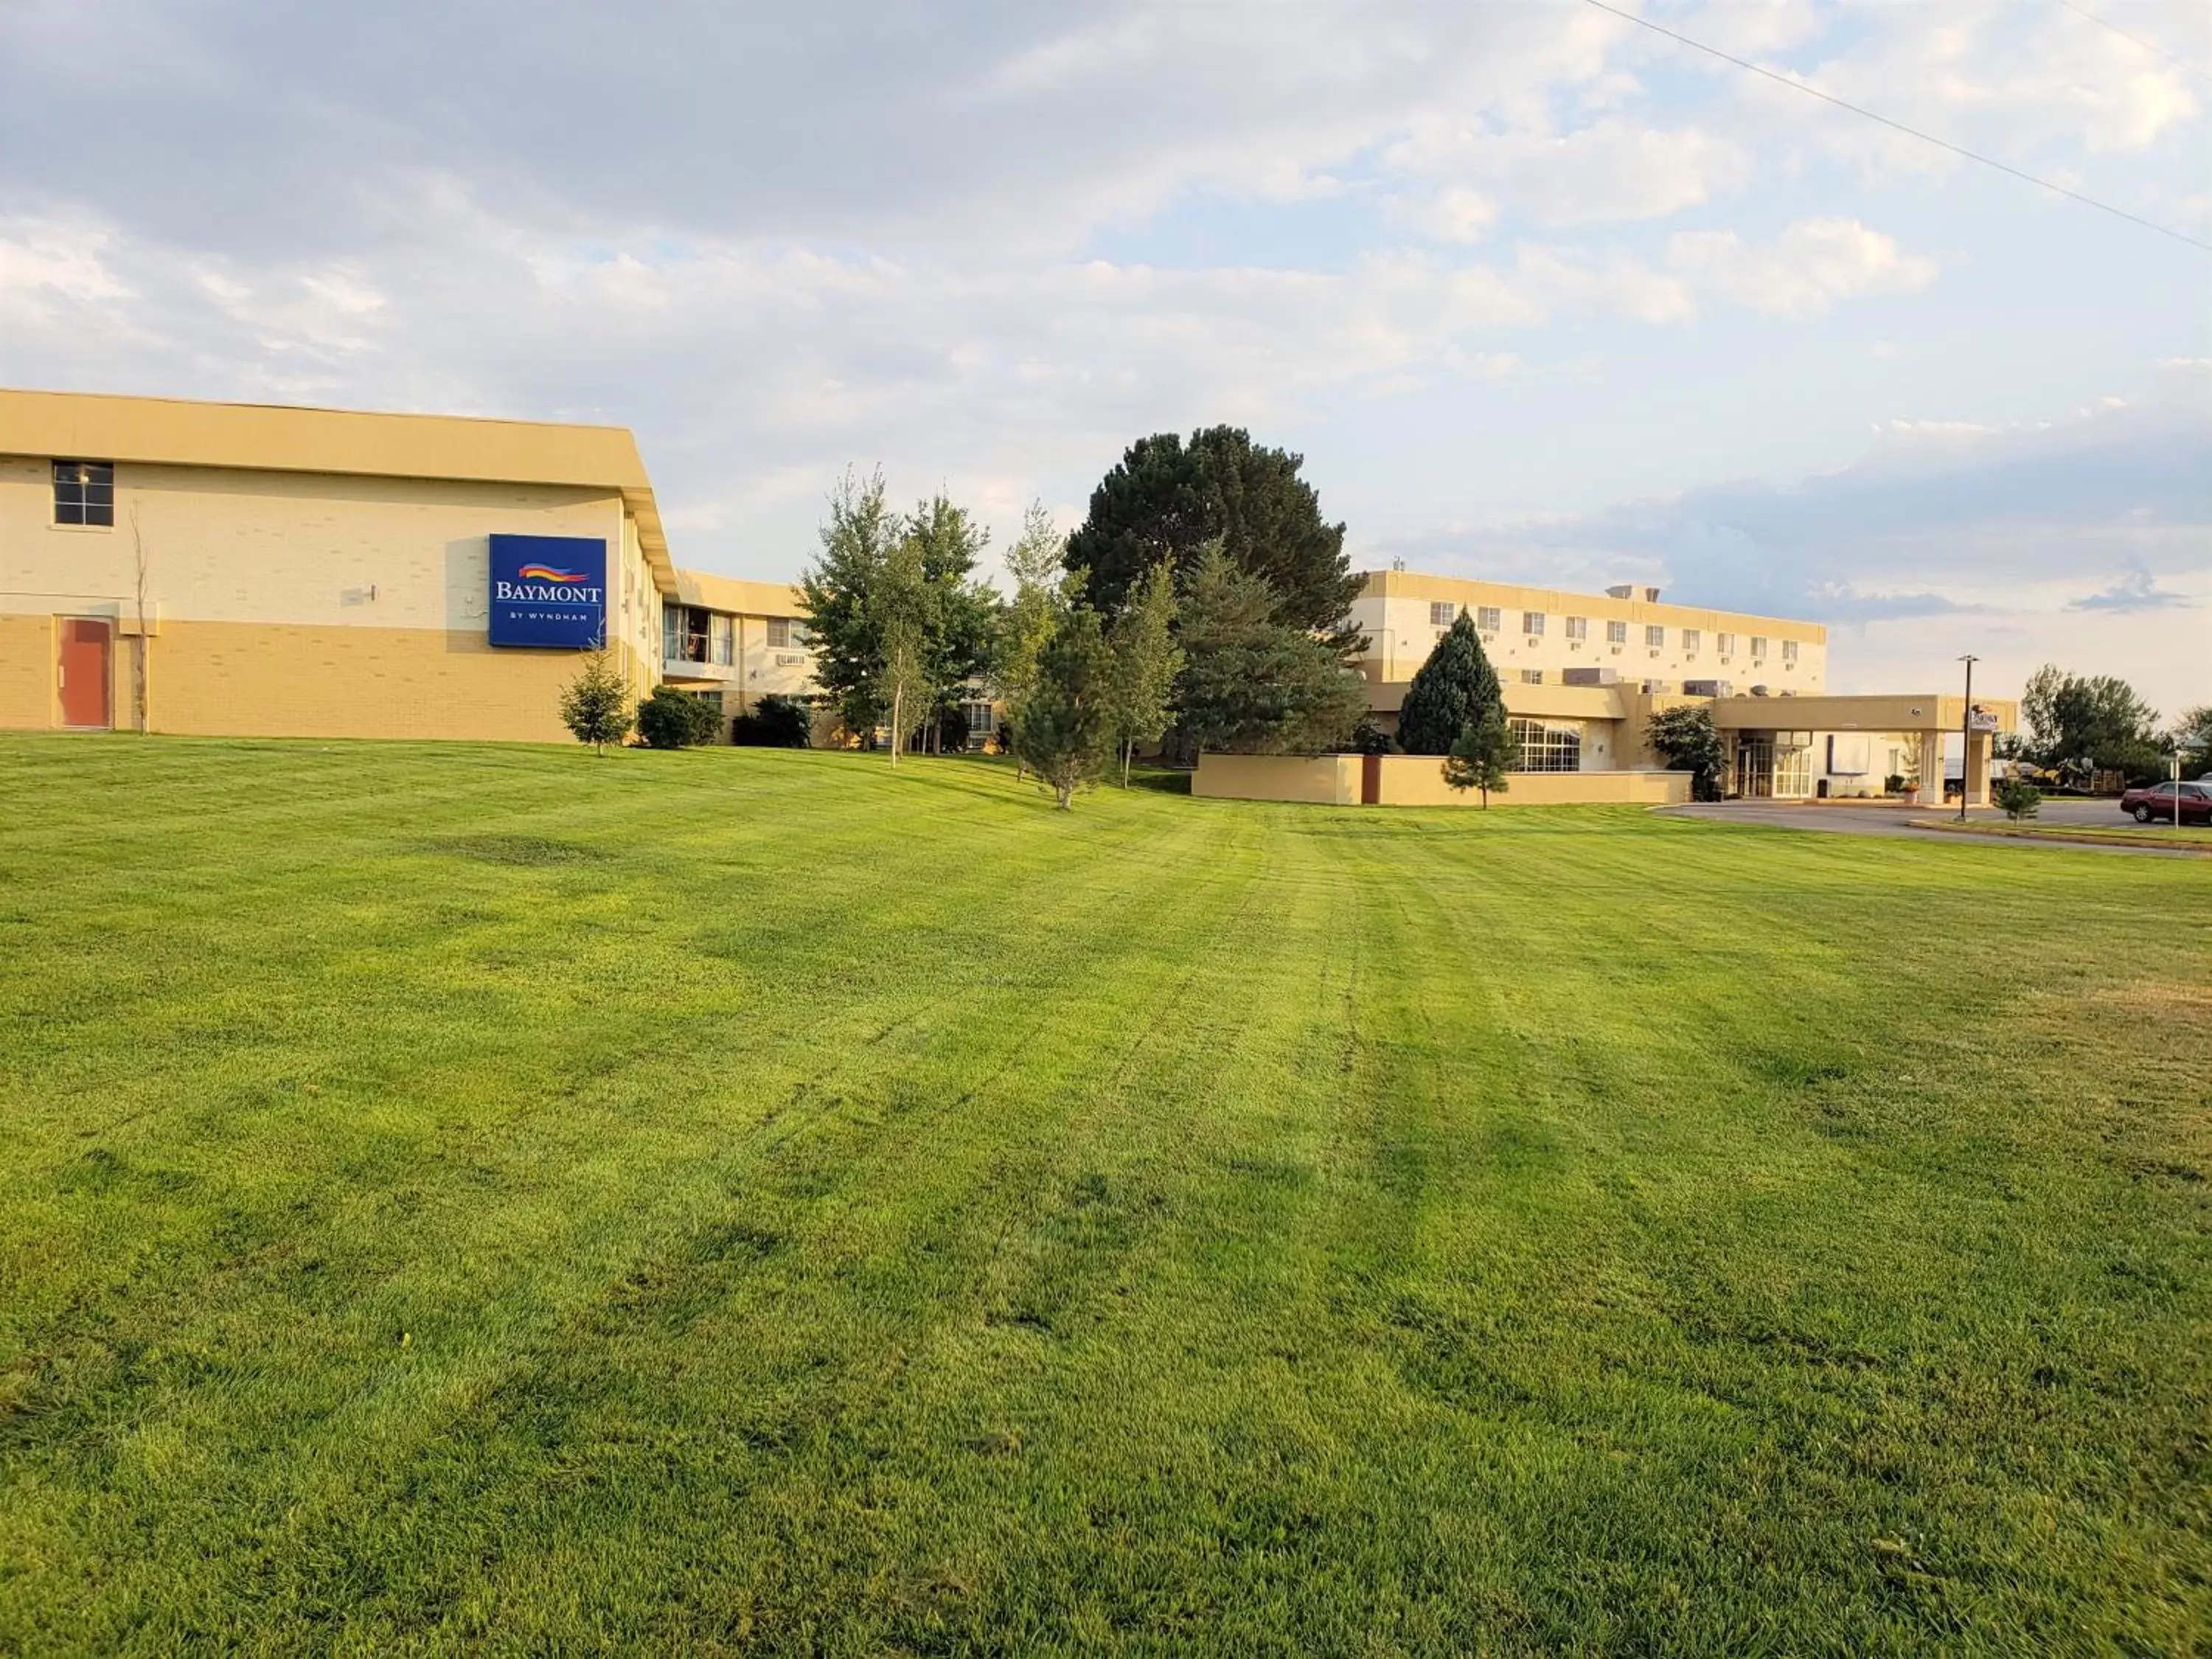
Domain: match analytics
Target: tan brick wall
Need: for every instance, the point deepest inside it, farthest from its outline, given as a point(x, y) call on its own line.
point(274, 680)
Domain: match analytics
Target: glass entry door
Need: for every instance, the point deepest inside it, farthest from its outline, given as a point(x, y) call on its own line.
point(1755, 768)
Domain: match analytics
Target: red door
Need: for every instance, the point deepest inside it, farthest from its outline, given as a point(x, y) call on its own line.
point(82, 672)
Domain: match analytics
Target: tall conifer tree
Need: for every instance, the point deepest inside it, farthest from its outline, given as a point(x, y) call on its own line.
point(1455, 689)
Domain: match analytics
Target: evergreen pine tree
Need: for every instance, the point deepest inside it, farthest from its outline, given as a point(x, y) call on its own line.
point(1453, 691)
point(1483, 755)
point(1063, 734)
point(596, 704)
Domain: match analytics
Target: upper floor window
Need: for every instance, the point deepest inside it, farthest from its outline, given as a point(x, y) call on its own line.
point(1759, 645)
point(84, 492)
point(1487, 618)
point(1532, 622)
point(1690, 638)
point(725, 628)
point(1655, 636)
point(1616, 633)
point(1724, 643)
point(1440, 613)
point(1790, 651)
point(778, 633)
point(1578, 628)
point(1531, 677)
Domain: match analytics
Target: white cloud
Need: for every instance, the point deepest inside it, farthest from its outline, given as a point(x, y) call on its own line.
point(1808, 268)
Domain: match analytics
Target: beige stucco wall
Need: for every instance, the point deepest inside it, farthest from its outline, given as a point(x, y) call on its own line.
point(1417, 781)
point(1327, 780)
point(290, 603)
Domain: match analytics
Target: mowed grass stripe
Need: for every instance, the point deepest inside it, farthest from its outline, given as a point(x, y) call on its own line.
point(836, 1212)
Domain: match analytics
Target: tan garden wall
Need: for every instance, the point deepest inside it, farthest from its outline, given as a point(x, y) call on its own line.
point(1417, 781)
point(1329, 779)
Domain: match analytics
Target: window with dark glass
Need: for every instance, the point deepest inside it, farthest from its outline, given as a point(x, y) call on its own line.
point(84, 492)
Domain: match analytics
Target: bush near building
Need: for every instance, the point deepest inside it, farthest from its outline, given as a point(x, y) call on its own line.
point(774, 721)
point(671, 719)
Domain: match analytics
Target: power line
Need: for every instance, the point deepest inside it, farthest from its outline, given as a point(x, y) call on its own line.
point(2148, 46)
point(1899, 126)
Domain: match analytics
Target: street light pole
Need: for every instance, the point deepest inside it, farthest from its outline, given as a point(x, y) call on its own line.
point(1966, 737)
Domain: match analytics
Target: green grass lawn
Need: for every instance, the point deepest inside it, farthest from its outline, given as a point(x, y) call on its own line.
point(492, 1197)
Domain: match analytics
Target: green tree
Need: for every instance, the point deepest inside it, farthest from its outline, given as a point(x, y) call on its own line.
point(1167, 500)
point(2098, 718)
point(1249, 684)
point(2018, 797)
point(1450, 692)
point(958, 612)
point(1483, 755)
point(1686, 739)
point(2191, 737)
point(1045, 590)
point(1064, 730)
point(1146, 662)
point(596, 704)
point(844, 629)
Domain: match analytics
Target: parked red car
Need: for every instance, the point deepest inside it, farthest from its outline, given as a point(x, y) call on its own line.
point(2155, 804)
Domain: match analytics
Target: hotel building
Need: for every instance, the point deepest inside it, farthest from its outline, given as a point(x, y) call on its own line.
point(242, 570)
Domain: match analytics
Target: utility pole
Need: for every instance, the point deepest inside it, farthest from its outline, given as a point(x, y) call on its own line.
point(1966, 737)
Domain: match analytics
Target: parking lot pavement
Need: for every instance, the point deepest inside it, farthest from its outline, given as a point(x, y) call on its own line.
point(1883, 819)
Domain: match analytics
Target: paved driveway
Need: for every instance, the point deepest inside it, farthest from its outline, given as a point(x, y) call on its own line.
point(1880, 820)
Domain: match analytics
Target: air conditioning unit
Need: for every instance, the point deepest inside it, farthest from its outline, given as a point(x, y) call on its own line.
point(1589, 677)
point(1623, 592)
point(1616, 650)
point(1658, 688)
point(1705, 687)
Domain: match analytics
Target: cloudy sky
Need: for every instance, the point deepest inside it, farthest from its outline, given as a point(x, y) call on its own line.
point(1540, 295)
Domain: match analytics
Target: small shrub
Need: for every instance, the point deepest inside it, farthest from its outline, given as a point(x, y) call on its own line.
point(670, 719)
point(2018, 797)
point(1368, 737)
point(776, 722)
point(1893, 784)
point(596, 705)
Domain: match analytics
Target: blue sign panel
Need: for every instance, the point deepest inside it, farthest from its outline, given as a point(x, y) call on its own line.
point(548, 591)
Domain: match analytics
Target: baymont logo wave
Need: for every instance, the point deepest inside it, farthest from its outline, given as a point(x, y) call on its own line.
point(546, 573)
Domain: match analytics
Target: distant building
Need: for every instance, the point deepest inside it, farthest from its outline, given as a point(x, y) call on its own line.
point(1584, 673)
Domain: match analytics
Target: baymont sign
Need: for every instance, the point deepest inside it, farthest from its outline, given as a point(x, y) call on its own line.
point(549, 592)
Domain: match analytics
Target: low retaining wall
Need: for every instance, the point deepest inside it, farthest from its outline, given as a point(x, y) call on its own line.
point(1417, 781)
point(1329, 779)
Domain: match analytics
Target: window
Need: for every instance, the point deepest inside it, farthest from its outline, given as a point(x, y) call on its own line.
point(1440, 613)
point(1724, 643)
point(1790, 651)
point(725, 637)
point(979, 723)
point(1531, 677)
point(84, 492)
point(1758, 645)
point(1487, 618)
point(1655, 636)
point(778, 633)
point(1578, 628)
point(1616, 633)
point(1532, 623)
point(1690, 638)
point(684, 633)
point(1547, 745)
